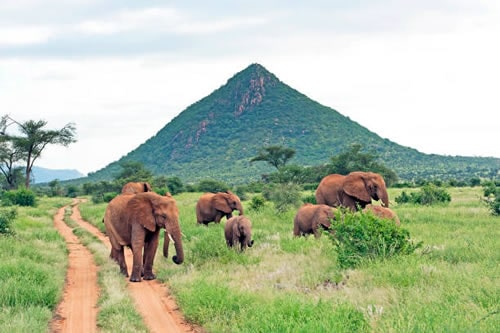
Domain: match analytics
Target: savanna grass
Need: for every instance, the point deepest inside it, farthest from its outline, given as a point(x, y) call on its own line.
point(287, 284)
point(32, 269)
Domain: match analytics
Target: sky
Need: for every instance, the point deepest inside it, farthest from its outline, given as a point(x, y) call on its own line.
point(422, 73)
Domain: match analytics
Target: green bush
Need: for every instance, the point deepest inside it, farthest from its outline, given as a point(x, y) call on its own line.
point(311, 198)
point(284, 196)
point(429, 194)
point(108, 196)
point(21, 197)
point(492, 198)
point(6, 218)
point(210, 185)
point(257, 202)
point(361, 236)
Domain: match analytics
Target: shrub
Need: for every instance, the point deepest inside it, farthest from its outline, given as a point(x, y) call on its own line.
point(6, 218)
point(257, 202)
point(492, 198)
point(108, 196)
point(359, 236)
point(210, 185)
point(429, 194)
point(284, 196)
point(21, 197)
point(311, 198)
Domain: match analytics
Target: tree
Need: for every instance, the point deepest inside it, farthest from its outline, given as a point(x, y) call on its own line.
point(277, 156)
point(133, 171)
point(354, 160)
point(34, 138)
point(9, 156)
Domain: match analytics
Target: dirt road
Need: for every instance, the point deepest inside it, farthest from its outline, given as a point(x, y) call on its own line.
point(78, 310)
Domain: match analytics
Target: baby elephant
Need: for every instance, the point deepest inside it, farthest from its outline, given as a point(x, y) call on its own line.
point(238, 229)
point(383, 212)
point(310, 217)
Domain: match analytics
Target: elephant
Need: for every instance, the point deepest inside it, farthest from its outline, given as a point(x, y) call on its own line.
point(213, 206)
point(354, 191)
point(238, 229)
point(383, 212)
point(136, 187)
point(134, 220)
point(310, 217)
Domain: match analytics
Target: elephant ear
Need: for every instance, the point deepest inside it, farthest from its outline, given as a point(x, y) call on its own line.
point(354, 185)
point(220, 203)
point(140, 209)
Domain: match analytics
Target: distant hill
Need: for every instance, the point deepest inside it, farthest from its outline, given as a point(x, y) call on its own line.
point(43, 175)
point(218, 135)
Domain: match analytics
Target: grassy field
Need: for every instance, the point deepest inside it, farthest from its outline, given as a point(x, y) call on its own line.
point(281, 284)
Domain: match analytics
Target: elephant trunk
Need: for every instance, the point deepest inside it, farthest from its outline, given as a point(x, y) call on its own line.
point(384, 197)
point(179, 252)
point(178, 258)
point(240, 208)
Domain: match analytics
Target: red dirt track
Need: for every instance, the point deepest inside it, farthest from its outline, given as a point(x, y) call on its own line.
point(78, 310)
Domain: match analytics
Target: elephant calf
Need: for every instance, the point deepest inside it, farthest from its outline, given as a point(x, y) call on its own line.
point(383, 212)
point(238, 229)
point(310, 217)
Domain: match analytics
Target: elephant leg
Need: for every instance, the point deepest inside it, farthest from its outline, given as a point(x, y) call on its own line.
point(218, 217)
point(149, 255)
point(137, 247)
point(120, 259)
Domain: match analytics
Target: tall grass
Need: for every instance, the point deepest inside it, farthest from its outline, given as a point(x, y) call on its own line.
point(33, 266)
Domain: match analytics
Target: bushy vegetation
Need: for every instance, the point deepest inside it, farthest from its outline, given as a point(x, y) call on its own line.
point(492, 197)
point(428, 195)
point(284, 196)
point(21, 197)
point(362, 237)
point(32, 269)
point(283, 283)
point(7, 216)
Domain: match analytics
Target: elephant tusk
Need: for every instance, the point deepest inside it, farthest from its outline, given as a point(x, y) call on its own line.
point(170, 237)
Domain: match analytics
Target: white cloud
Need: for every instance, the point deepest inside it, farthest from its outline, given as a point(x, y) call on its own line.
point(22, 35)
point(424, 76)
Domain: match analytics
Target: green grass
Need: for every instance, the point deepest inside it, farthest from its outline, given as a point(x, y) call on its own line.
point(33, 266)
point(286, 284)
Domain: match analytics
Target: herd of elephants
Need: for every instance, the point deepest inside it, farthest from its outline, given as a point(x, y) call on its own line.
point(134, 218)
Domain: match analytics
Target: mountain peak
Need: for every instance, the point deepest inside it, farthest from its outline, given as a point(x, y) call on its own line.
point(218, 135)
point(249, 87)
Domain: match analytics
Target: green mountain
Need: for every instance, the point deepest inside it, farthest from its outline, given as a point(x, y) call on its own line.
point(218, 135)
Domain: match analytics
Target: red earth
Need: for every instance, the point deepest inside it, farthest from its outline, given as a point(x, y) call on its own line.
point(78, 310)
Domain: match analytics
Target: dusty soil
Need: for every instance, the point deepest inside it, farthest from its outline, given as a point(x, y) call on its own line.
point(78, 310)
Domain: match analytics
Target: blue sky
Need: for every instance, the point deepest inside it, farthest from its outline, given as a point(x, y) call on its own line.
point(424, 74)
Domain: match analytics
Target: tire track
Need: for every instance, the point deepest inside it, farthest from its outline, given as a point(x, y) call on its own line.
point(77, 312)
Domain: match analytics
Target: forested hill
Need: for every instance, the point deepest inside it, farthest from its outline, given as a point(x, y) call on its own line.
point(218, 135)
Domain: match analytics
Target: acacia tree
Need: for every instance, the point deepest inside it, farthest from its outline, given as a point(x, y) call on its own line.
point(277, 156)
point(33, 138)
point(9, 156)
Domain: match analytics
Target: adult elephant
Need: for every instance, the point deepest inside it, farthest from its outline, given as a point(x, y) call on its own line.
point(211, 207)
point(135, 220)
point(136, 187)
point(310, 218)
point(355, 190)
